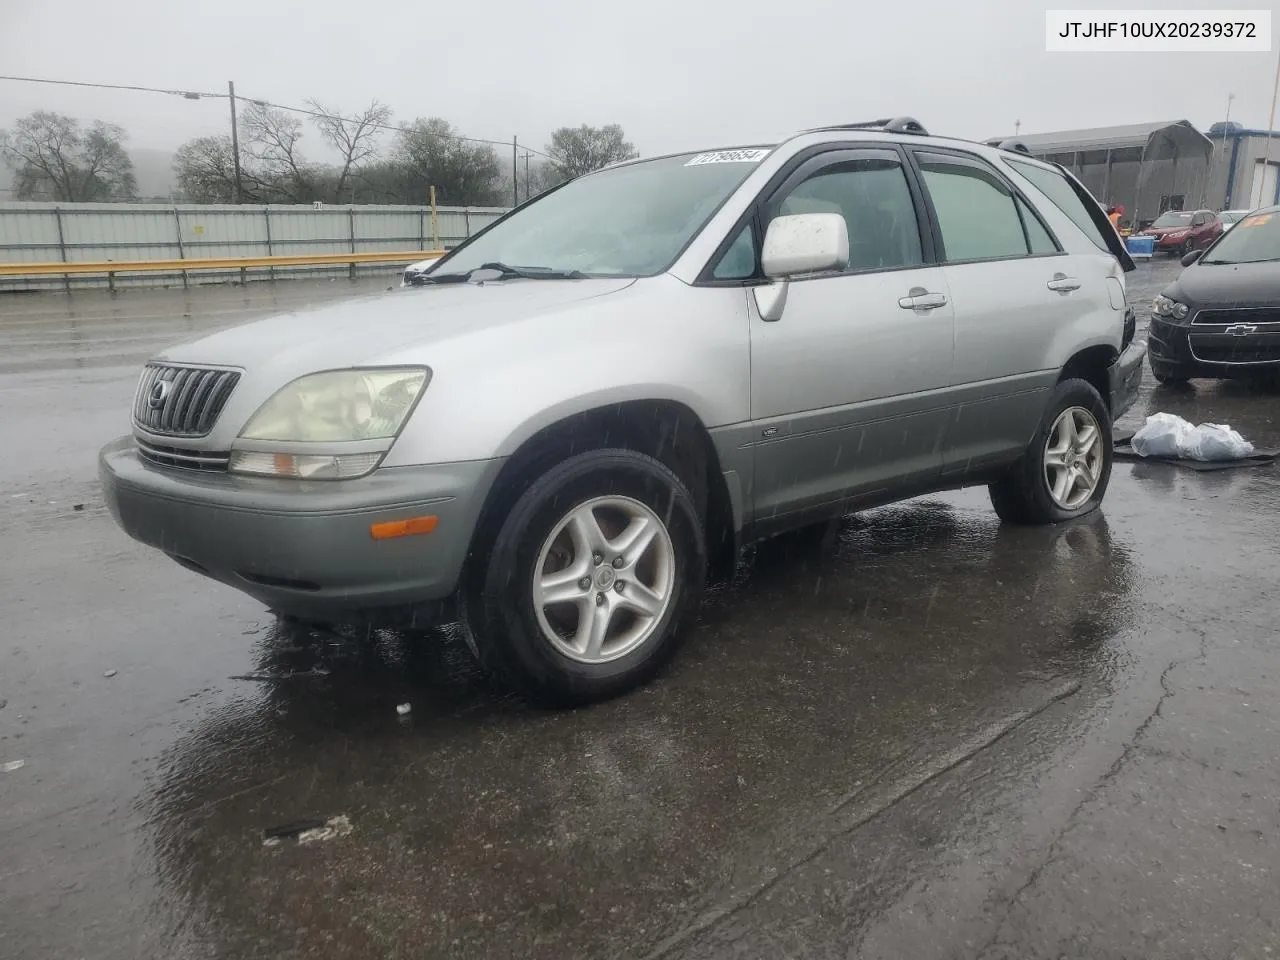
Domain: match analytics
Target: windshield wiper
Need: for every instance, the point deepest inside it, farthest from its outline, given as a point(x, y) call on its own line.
point(1236, 263)
point(505, 271)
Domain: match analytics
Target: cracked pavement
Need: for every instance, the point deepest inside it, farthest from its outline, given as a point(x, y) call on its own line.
point(924, 736)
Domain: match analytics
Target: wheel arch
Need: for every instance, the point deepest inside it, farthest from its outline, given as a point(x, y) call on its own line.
point(667, 429)
point(1092, 364)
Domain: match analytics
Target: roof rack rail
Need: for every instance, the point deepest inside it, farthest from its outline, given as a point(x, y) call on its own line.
point(887, 125)
point(1011, 144)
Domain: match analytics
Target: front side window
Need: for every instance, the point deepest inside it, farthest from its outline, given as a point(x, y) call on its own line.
point(873, 198)
point(629, 221)
point(739, 261)
point(976, 212)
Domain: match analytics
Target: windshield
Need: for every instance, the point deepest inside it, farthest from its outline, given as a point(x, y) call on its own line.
point(1174, 218)
point(629, 221)
point(1254, 239)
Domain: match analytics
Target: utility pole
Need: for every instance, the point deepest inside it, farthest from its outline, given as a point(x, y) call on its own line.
point(1271, 135)
point(1017, 125)
point(235, 138)
point(527, 189)
point(515, 175)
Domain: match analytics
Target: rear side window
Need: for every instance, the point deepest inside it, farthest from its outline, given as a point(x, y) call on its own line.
point(1037, 234)
point(976, 212)
point(1054, 186)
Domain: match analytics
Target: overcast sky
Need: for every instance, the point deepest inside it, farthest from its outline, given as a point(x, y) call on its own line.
point(675, 73)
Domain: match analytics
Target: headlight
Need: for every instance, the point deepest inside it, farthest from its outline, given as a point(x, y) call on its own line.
point(1163, 306)
point(329, 426)
point(339, 406)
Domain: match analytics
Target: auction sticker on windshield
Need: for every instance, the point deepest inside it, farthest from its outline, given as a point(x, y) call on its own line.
point(728, 156)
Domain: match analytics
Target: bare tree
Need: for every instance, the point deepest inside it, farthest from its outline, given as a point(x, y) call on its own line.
point(270, 142)
point(54, 157)
point(579, 150)
point(355, 138)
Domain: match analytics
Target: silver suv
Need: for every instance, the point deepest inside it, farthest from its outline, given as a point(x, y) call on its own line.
point(582, 415)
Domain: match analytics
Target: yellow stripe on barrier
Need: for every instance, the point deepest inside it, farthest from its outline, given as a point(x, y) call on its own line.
point(10, 269)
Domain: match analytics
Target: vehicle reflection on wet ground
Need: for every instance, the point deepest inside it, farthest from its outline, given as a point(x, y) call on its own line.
point(918, 733)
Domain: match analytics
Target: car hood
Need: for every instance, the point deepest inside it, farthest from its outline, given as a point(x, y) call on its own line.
point(359, 331)
point(1228, 285)
point(1161, 231)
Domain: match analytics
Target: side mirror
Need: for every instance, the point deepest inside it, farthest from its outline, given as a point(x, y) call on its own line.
point(805, 243)
point(1192, 257)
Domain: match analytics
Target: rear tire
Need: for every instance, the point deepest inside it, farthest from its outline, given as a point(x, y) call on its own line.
point(1066, 468)
point(602, 518)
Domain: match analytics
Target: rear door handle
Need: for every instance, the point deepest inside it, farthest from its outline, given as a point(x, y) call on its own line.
point(918, 298)
point(1063, 284)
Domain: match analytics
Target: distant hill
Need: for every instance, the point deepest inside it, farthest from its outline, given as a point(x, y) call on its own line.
point(153, 168)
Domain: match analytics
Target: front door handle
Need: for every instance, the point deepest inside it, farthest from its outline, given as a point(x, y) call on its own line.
point(918, 298)
point(1063, 284)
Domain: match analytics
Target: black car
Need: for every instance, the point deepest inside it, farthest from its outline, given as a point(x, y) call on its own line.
point(1221, 318)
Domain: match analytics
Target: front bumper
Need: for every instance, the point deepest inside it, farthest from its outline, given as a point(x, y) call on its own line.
point(1126, 378)
point(1172, 347)
point(305, 548)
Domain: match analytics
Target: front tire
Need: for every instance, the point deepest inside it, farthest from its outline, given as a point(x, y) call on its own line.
point(590, 579)
point(1066, 468)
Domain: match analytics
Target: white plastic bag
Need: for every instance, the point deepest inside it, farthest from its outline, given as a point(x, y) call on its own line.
point(1217, 441)
point(1163, 435)
point(1167, 435)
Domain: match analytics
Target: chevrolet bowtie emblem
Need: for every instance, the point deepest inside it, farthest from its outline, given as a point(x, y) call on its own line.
point(1241, 329)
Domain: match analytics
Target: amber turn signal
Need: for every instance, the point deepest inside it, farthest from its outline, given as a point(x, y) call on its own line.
point(403, 528)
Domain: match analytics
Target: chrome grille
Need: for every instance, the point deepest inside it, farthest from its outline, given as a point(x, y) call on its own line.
point(1238, 315)
point(188, 406)
point(207, 460)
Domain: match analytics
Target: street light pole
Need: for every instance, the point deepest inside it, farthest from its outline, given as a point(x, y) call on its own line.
point(235, 139)
point(1271, 135)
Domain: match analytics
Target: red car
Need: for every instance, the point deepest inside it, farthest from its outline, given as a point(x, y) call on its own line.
point(1181, 231)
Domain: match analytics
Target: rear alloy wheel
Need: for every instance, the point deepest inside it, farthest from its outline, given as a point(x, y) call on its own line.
point(1066, 468)
point(591, 577)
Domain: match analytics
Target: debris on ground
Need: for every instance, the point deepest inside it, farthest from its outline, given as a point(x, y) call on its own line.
point(291, 829)
point(12, 765)
point(110, 673)
point(1168, 435)
point(308, 831)
point(78, 507)
point(403, 709)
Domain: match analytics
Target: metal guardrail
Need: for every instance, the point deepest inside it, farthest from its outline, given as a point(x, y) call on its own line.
point(110, 267)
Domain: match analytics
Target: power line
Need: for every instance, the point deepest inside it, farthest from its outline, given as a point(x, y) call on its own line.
point(317, 114)
point(187, 94)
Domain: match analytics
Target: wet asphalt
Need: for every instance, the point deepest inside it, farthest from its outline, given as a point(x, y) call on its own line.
point(925, 736)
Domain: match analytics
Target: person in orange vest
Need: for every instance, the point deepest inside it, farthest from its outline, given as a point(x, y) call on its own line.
point(1113, 214)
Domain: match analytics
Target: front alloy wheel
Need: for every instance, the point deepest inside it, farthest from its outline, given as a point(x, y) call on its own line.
point(603, 580)
point(583, 589)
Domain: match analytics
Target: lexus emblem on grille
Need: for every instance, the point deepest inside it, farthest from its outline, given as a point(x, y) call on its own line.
point(158, 394)
point(1241, 330)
